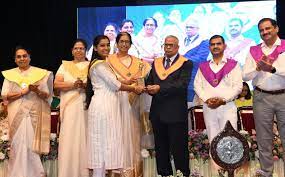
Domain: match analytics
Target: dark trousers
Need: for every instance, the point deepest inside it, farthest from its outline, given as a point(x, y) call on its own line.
point(171, 139)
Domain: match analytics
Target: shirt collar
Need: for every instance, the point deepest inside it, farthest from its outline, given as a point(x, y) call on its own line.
point(276, 43)
point(239, 38)
point(172, 58)
point(224, 60)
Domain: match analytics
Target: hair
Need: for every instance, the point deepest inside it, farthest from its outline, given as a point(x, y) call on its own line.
point(126, 21)
point(272, 21)
point(236, 19)
point(81, 41)
point(123, 34)
point(216, 37)
point(248, 94)
point(20, 47)
point(96, 41)
point(150, 18)
point(172, 36)
point(112, 24)
point(95, 56)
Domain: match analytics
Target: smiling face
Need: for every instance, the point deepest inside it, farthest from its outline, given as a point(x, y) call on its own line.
point(79, 51)
point(22, 59)
point(110, 31)
point(235, 28)
point(267, 31)
point(124, 44)
point(128, 27)
point(103, 48)
point(149, 26)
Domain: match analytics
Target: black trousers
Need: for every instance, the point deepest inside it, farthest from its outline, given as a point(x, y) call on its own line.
point(171, 139)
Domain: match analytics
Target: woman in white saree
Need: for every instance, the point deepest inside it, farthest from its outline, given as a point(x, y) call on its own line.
point(70, 80)
point(28, 91)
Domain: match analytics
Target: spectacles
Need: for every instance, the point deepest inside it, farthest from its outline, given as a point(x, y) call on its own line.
point(122, 42)
point(150, 25)
point(78, 48)
point(169, 45)
point(22, 56)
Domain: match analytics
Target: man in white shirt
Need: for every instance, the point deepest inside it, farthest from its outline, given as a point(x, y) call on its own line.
point(237, 45)
point(265, 66)
point(218, 82)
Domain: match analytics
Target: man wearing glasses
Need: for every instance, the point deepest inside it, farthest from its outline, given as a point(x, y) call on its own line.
point(167, 83)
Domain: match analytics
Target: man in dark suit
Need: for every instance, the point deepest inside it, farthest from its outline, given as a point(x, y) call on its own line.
point(167, 83)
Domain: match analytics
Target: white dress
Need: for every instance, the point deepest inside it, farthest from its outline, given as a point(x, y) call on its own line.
point(72, 138)
point(104, 140)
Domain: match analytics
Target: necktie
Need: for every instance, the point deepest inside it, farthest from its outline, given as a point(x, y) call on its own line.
point(167, 63)
point(187, 41)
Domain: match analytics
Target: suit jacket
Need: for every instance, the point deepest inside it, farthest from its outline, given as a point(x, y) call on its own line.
point(170, 103)
point(197, 55)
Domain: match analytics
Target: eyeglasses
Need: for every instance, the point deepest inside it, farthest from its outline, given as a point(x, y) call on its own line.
point(78, 48)
point(124, 42)
point(150, 25)
point(169, 45)
point(22, 56)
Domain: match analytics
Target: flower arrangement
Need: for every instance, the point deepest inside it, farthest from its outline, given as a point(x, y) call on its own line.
point(3, 110)
point(4, 137)
point(198, 145)
point(4, 146)
point(277, 149)
point(53, 153)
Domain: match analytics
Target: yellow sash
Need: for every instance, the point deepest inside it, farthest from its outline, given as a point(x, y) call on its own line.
point(94, 63)
point(74, 70)
point(35, 74)
point(137, 68)
point(163, 73)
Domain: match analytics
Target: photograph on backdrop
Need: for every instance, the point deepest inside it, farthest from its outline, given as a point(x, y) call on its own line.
point(193, 24)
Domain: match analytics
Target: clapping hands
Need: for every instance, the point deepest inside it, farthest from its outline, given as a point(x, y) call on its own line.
point(265, 64)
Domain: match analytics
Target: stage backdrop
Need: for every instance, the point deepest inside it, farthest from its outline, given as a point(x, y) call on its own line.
point(49, 27)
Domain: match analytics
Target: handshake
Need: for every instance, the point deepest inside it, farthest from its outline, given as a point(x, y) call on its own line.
point(150, 89)
point(265, 64)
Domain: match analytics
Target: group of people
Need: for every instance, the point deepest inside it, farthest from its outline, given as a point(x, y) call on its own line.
point(146, 45)
point(107, 104)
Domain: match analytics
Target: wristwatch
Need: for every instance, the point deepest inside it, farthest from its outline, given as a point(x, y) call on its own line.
point(273, 70)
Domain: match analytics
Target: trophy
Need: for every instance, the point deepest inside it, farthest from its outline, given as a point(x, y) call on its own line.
point(229, 149)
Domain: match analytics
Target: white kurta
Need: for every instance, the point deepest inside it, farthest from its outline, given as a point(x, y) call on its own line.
point(104, 142)
point(23, 161)
point(131, 125)
point(228, 89)
point(72, 138)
